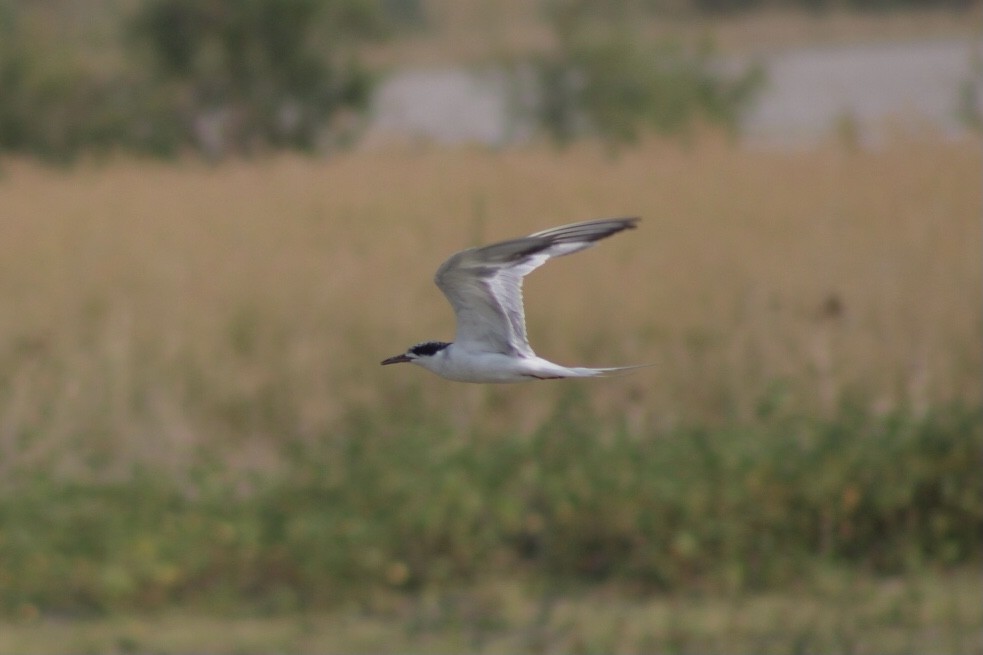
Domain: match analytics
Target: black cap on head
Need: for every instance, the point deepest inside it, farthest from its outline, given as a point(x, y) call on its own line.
point(428, 348)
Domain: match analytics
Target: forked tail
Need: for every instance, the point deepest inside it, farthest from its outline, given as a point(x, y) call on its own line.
point(583, 372)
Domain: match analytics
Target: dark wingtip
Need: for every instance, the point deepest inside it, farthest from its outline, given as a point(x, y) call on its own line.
point(626, 222)
point(595, 230)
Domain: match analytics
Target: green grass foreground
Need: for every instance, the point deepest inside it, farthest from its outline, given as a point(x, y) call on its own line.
point(720, 511)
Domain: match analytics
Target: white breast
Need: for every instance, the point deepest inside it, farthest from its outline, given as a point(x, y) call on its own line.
point(464, 366)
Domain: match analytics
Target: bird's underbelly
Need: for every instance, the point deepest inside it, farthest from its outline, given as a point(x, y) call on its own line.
point(493, 367)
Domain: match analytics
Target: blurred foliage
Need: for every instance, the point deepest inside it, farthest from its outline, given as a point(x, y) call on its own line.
point(241, 76)
point(216, 76)
point(56, 105)
point(258, 74)
point(970, 94)
point(606, 79)
point(381, 508)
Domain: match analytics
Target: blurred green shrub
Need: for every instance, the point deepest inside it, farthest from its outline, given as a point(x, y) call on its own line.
point(415, 506)
point(255, 74)
point(215, 76)
point(56, 105)
point(61, 113)
point(606, 79)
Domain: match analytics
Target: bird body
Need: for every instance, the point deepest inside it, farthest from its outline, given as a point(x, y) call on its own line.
point(456, 363)
point(484, 286)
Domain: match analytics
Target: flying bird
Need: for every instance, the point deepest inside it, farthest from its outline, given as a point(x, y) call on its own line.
point(484, 286)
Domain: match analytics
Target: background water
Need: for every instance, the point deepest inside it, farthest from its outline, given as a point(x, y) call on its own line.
point(810, 93)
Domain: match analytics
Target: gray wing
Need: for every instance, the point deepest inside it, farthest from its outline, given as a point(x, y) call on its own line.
point(484, 285)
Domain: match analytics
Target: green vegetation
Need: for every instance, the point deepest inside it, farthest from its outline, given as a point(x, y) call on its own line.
point(610, 81)
point(240, 77)
point(217, 77)
point(266, 73)
point(413, 505)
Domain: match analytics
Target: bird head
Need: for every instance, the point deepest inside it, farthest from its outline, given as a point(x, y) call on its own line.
point(420, 354)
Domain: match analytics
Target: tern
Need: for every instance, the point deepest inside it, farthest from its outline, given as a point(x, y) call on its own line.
point(484, 286)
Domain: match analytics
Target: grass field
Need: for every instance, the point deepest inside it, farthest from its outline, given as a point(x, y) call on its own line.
point(189, 379)
point(939, 614)
point(198, 305)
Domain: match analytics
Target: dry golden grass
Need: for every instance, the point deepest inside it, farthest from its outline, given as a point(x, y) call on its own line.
point(153, 308)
